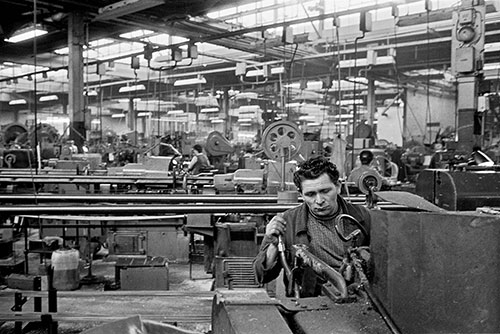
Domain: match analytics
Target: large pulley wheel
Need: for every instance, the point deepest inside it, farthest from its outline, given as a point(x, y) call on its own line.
point(282, 138)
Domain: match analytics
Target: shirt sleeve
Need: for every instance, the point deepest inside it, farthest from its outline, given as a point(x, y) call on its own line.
point(192, 163)
point(264, 274)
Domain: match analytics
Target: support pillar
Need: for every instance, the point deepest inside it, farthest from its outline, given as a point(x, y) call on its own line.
point(468, 132)
point(371, 102)
point(76, 40)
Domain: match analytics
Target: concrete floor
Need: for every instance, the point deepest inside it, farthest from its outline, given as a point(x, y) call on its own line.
point(187, 302)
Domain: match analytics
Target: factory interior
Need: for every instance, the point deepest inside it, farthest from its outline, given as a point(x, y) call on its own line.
point(108, 225)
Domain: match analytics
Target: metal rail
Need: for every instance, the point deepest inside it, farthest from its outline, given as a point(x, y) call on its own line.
point(142, 209)
point(149, 198)
point(86, 179)
point(137, 198)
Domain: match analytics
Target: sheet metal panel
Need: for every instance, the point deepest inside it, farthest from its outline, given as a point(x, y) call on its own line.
point(438, 272)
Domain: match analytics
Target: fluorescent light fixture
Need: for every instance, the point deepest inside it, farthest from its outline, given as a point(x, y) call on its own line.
point(349, 102)
point(257, 73)
point(17, 102)
point(27, 33)
point(118, 115)
point(144, 114)
point(175, 112)
point(248, 108)
point(278, 70)
point(214, 121)
point(363, 62)
point(48, 98)
point(246, 124)
point(125, 7)
point(307, 118)
point(211, 109)
point(315, 85)
point(90, 93)
point(133, 88)
point(313, 124)
point(190, 81)
point(244, 120)
point(135, 99)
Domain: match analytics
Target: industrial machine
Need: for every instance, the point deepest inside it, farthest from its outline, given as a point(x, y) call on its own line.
point(462, 188)
point(218, 149)
point(418, 281)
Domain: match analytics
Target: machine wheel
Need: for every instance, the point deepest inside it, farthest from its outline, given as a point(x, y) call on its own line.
point(369, 180)
point(282, 137)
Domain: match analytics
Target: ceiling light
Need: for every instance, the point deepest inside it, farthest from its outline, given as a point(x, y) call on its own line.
point(122, 8)
point(144, 114)
point(175, 112)
point(135, 99)
point(17, 102)
point(217, 121)
point(191, 81)
point(48, 98)
point(256, 73)
point(133, 88)
point(118, 115)
point(211, 109)
point(90, 93)
point(26, 33)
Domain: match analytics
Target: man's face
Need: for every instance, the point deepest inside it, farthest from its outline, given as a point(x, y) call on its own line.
point(320, 195)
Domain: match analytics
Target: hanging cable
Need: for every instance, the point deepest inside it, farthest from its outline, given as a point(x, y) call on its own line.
point(398, 83)
point(339, 76)
point(158, 92)
point(428, 115)
point(354, 107)
point(35, 104)
point(37, 158)
point(101, 97)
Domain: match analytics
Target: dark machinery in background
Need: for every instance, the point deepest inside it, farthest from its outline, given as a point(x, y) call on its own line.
point(218, 149)
point(467, 182)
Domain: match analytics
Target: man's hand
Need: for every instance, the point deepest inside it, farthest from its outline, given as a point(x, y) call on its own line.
point(276, 226)
point(274, 229)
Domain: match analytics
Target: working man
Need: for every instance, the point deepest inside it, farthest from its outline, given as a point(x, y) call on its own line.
point(366, 158)
point(199, 161)
point(312, 224)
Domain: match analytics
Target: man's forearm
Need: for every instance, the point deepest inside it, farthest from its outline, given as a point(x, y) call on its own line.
point(271, 255)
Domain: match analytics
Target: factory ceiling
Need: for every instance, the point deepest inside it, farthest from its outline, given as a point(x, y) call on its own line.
point(412, 47)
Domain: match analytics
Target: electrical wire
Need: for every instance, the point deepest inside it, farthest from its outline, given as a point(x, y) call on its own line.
point(35, 104)
point(398, 83)
point(339, 78)
point(35, 111)
point(354, 107)
point(428, 114)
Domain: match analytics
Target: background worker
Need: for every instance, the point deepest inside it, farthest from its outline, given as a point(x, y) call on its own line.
point(312, 224)
point(366, 158)
point(199, 161)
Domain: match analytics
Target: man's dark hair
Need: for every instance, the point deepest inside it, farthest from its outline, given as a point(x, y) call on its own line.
point(313, 168)
point(198, 148)
point(366, 157)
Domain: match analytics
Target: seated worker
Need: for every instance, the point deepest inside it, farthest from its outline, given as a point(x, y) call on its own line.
point(199, 162)
point(366, 157)
point(312, 223)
